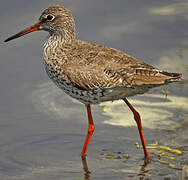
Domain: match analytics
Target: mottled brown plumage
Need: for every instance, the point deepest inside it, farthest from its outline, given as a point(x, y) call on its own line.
point(89, 68)
point(93, 73)
point(96, 66)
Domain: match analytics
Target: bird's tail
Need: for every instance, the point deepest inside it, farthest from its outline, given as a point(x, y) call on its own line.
point(172, 77)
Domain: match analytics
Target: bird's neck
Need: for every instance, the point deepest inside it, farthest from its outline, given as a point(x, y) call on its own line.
point(55, 44)
point(60, 38)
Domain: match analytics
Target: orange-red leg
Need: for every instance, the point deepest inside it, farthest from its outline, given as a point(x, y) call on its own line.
point(91, 129)
point(139, 124)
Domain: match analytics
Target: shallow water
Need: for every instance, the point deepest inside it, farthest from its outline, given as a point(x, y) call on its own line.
point(43, 130)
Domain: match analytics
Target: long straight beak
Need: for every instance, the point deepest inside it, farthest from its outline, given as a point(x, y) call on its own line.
point(35, 27)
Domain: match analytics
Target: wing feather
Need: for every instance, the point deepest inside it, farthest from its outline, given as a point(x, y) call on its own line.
point(97, 66)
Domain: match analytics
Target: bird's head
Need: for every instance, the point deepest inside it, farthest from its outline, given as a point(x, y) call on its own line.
point(55, 20)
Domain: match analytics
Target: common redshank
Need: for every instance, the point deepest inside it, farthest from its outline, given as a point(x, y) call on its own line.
point(93, 73)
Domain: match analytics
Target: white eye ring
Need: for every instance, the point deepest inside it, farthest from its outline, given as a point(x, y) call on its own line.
point(50, 17)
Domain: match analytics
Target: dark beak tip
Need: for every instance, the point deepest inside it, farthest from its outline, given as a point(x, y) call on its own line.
point(10, 38)
point(6, 40)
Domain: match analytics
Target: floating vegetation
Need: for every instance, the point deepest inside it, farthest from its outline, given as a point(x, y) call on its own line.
point(125, 156)
point(169, 156)
point(105, 108)
point(113, 156)
point(165, 154)
point(166, 162)
point(160, 153)
point(160, 147)
point(116, 155)
point(183, 50)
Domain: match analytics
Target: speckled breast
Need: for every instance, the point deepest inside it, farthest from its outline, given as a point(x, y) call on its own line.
point(84, 96)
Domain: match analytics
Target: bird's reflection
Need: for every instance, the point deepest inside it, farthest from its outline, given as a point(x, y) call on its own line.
point(142, 173)
point(85, 167)
point(143, 170)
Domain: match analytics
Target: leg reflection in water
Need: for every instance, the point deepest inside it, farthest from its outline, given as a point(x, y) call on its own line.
point(141, 174)
point(85, 167)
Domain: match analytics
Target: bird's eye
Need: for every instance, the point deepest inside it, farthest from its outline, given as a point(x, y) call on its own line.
point(50, 17)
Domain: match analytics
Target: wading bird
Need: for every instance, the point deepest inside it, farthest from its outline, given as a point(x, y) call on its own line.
point(93, 73)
